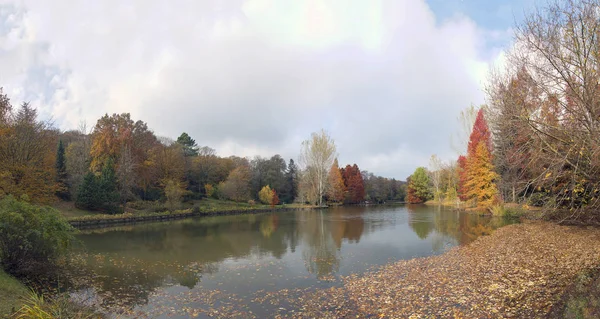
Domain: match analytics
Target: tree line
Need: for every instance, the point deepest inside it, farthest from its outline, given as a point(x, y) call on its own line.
point(121, 160)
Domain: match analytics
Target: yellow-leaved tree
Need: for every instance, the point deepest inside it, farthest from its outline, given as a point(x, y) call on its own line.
point(481, 178)
point(266, 195)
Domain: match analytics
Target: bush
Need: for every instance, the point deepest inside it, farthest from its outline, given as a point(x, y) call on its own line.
point(508, 212)
point(31, 237)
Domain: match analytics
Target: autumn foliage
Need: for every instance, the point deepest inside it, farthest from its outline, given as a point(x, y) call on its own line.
point(355, 187)
point(477, 178)
point(337, 189)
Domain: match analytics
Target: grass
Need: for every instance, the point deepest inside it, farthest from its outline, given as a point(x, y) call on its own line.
point(11, 293)
point(582, 298)
point(69, 210)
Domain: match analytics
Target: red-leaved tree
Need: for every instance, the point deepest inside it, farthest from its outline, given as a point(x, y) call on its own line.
point(355, 187)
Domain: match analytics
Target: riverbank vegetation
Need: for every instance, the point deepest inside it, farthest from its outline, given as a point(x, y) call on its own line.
point(535, 141)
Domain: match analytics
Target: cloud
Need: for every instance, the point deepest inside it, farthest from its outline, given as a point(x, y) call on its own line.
point(384, 78)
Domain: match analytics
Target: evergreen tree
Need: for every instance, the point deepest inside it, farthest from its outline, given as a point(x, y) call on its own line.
point(190, 148)
point(89, 195)
point(290, 191)
point(61, 172)
point(108, 187)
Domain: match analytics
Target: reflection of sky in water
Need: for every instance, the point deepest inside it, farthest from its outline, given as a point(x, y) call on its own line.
point(246, 255)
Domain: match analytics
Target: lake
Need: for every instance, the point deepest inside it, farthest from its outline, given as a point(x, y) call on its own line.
point(231, 265)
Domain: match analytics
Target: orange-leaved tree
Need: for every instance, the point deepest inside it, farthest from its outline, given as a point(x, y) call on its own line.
point(477, 175)
point(481, 178)
point(336, 189)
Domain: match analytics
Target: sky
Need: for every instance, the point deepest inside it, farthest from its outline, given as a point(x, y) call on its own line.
point(386, 79)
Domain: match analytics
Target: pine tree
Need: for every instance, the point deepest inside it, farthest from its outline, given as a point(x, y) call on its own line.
point(290, 191)
point(336, 187)
point(108, 187)
point(190, 148)
point(61, 172)
point(481, 178)
point(89, 195)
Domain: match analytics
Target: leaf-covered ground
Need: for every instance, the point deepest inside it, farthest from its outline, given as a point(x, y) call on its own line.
point(519, 271)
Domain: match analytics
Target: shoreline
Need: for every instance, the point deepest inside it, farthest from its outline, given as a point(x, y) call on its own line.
point(519, 271)
point(94, 222)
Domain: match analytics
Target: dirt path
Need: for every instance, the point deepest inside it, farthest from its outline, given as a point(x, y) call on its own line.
point(519, 271)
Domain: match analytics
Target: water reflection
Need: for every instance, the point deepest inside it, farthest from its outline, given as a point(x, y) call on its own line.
point(248, 253)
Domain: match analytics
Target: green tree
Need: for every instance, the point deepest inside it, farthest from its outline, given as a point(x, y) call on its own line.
point(419, 189)
point(108, 187)
point(290, 189)
point(89, 195)
point(190, 148)
point(61, 172)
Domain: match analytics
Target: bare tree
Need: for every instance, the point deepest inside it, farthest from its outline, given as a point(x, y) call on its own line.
point(466, 119)
point(317, 157)
point(548, 108)
point(435, 173)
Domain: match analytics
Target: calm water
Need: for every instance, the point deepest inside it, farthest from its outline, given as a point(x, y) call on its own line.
point(186, 268)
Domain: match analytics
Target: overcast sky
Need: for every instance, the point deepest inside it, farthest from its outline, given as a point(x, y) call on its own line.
point(386, 79)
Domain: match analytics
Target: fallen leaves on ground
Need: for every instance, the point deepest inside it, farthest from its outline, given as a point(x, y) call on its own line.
point(519, 271)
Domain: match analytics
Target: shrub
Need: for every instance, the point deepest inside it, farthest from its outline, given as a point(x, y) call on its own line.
point(251, 202)
point(266, 195)
point(31, 237)
point(508, 212)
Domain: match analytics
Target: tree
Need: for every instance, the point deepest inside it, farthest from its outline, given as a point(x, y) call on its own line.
point(236, 187)
point(89, 195)
point(274, 198)
point(480, 134)
point(78, 160)
point(27, 154)
point(210, 190)
point(336, 189)
point(190, 148)
point(481, 178)
point(462, 177)
point(118, 136)
point(266, 195)
point(61, 172)
point(435, 174)
point(108, 188)
point(317, 156)
point(174, 191)
point(290, 189)
point(353, 181)
point(419, 190)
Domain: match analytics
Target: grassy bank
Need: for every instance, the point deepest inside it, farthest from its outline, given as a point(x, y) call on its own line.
point(152, 211)
point(11, 293)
